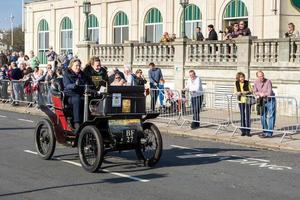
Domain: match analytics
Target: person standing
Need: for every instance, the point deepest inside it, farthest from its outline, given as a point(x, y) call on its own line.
point(194, 86)
point(16, 75)
point(242, 89)
point(243, 29)
point(199, 35)
point(3, 83)
point(212, 34)
point(155, 75)
point(263, 89)
point(51, 57)
point(34, 61)
point(291, 33)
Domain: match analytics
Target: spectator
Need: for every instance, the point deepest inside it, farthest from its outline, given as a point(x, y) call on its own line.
point(3, 59)
point(49, 78)
point(242, 89)
point(212, 35)
point(27, 78)
point(291, 33)
point(129, 77)
point(267, 102)
point(165, 38)
point(3, 82)
point(38, 76)
point(118, 80)
point(62, 59)
point(236, 31)
point(16, 76)
point(173, 37)
point(51, 57)
point(34, 61)
point(139, 78)
point(227, 33)
point(58, 81)
point(111, 78)
point(95, 73)
point(199, 35)
point(155, 75)
point(194, 86)
point(161, 91)
point(244, 30)
point(14, 57)
point(21, 58)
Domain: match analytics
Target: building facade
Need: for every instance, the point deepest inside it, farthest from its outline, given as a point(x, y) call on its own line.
point(60, 23)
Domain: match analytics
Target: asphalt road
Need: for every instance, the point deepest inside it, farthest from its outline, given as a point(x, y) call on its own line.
point(189, 169)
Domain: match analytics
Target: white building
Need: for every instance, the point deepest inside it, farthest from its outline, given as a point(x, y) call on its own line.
point(59, 23)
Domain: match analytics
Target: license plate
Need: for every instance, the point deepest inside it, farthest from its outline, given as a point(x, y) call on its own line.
point(129, 136)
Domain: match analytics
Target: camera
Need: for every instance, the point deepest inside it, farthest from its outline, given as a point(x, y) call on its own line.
point(221, 31)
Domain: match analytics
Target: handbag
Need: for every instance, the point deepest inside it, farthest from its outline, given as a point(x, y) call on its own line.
point(250, 100)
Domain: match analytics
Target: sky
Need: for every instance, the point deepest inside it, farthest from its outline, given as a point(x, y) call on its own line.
point(6, 8)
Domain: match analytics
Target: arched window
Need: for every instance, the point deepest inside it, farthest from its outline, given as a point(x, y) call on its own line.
point(93, 28)
point(153, 25)
point(121, 28)
point(66, 36)
point(235, 11)
point(43, 41)
point(193, 19)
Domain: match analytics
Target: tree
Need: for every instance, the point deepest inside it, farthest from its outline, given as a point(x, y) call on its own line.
point(18, 39)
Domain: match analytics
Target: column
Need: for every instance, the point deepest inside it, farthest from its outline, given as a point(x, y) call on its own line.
point(179, 62)
point(104, 36)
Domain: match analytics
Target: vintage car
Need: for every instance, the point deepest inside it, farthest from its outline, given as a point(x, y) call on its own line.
point(114, 120)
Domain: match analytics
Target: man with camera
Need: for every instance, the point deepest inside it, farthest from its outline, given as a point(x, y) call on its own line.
point(266, 103)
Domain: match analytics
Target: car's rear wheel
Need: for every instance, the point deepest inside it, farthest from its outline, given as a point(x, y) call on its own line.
point(45, 140)
point(91, 148)
point(150, 147)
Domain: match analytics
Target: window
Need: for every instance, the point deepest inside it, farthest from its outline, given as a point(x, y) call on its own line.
point(121, 28)
point(153, 25)
point(193, 19)
point(235, 11)
point(43, 41)
point(66, 36)
point(93, 28)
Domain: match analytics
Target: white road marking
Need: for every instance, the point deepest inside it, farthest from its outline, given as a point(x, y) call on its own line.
point(261, 163)
point(26, 120)
point(103, 170)
point(2, 116)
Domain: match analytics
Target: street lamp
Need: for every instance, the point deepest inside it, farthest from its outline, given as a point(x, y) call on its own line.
point(184, 4)
point(11, 18)
point(86, 11)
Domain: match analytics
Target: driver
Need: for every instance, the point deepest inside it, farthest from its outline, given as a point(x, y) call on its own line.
point(95, 73)
point(73, 81)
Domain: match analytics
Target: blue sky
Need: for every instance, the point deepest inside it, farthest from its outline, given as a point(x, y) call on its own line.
point(6, 8)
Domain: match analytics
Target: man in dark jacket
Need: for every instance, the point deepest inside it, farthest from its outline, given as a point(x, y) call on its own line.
point(212, 35)
point(155, 75)
point(95, 73)
point(16, 75)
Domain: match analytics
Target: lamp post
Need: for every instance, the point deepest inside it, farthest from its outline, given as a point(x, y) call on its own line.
point(86, 11)
point(11, 18)
point(184, 4)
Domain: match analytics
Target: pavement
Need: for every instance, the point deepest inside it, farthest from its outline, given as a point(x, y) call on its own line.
point(189, 169)
point(206, 132)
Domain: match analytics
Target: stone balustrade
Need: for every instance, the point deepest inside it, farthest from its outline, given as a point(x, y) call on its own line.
point(109, 54)
point(265, 51)
point(161, 54)
point(208, 53)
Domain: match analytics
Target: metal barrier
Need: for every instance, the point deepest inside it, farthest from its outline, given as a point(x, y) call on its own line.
point(269, 115)
point(209, 108)
point(165, 101)
point(5, 92)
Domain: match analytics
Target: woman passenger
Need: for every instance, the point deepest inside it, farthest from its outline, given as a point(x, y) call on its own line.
point(74, 81)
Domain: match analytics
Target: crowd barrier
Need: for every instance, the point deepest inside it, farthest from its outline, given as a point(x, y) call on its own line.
point(274, 114)
point(214, 109)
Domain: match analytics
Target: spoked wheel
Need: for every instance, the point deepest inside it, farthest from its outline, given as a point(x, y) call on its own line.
point(150, 147)
point(91, 148)
point(45, 140)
